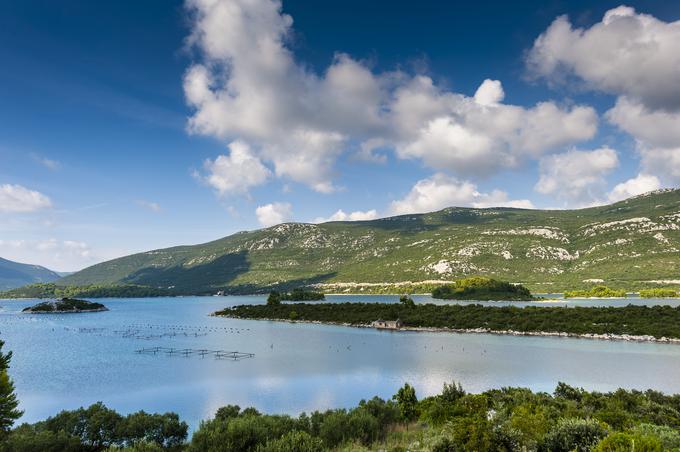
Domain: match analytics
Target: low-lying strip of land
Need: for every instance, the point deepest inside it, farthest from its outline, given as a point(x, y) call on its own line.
point(656, 323)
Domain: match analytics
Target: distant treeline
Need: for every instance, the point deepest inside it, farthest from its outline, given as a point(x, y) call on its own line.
point(297, 294)
point(596, 292)
point(508, 419)
point(657, 321)
point(51, 290)
point(481, 288)
point(659, 293)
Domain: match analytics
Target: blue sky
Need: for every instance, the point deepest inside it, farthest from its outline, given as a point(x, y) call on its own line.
point(129, 126)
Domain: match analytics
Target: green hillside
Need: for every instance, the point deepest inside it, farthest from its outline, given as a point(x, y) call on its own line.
point(630, 244)
point(15, 274)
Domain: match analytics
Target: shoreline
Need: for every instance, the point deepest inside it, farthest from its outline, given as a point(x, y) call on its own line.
point(423, 329)
point(74, 311)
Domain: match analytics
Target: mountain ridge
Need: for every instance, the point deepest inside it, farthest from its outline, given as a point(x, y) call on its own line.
point(16, 274)
point(634, 241)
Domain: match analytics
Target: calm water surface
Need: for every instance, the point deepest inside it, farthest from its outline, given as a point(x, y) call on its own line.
point(66, 361)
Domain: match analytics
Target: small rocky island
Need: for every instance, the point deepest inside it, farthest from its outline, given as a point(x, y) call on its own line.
point(65, 306)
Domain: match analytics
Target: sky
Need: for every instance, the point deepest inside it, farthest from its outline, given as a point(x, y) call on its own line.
point(127, 126)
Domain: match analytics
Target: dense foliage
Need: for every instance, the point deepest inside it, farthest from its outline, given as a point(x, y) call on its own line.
point(480, 288)
point(97, 428)
point(596, 292)
point(507, 419)
point(66, 305)
point(9, 404)
point(297, 294)
point(659, 293)
point(51, 290)
point(657, 321)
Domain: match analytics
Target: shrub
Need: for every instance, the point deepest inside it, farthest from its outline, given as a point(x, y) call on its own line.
point(295, 441)
point(626, 442)
point(568, 435)
point(482, 288)
point(596, 292)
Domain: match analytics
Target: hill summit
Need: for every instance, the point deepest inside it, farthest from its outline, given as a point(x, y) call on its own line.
point(631, 243)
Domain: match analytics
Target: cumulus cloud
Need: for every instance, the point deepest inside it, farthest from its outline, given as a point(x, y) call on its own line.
point(577, 177)
point(246, 84)
point(236, 172)
point(638, 185)
point(274, 213)
point(52, 253)
point(357, 215)
point(490, 92)
point(633, 56)
point(657, 134)
point(440, 191)
point(16, 198)
point(626, 53)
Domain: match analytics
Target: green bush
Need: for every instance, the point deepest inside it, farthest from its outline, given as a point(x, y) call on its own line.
point(579, 435)
point(295, 441)
point(659, 293)
point(482, 288)
point(596, 292)
point(627, 442)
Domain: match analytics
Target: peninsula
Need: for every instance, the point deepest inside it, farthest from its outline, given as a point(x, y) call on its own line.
point(642, 323)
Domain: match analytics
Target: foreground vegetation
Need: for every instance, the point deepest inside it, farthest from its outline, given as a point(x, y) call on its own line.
point(596, 292)
point(480, 288)
point(508, 419)
point(66, 305)
point(656, 321)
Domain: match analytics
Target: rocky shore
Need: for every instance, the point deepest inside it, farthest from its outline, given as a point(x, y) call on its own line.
point(65, 306)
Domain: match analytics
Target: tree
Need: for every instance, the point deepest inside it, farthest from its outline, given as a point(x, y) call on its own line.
point(408, 402)
point(274, 298)
point(8, 399)
point(452, 392)
point(407, 301)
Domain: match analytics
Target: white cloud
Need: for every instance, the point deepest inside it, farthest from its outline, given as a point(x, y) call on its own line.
point(16, 198)
point(577, 177)
point(246, 84)
point(152, 206)
point(274, 213)
point(236, 172)
point(440, 191)
point(635, 57)
point(638, 185)
point(357, 215)
point(50, 164)
point(657, 134)
point(629, 54)
point(478, 135)
point(490, 92)
point(52, 253)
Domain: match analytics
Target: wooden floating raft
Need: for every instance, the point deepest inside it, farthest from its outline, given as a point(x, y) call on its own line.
point(202, 352)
